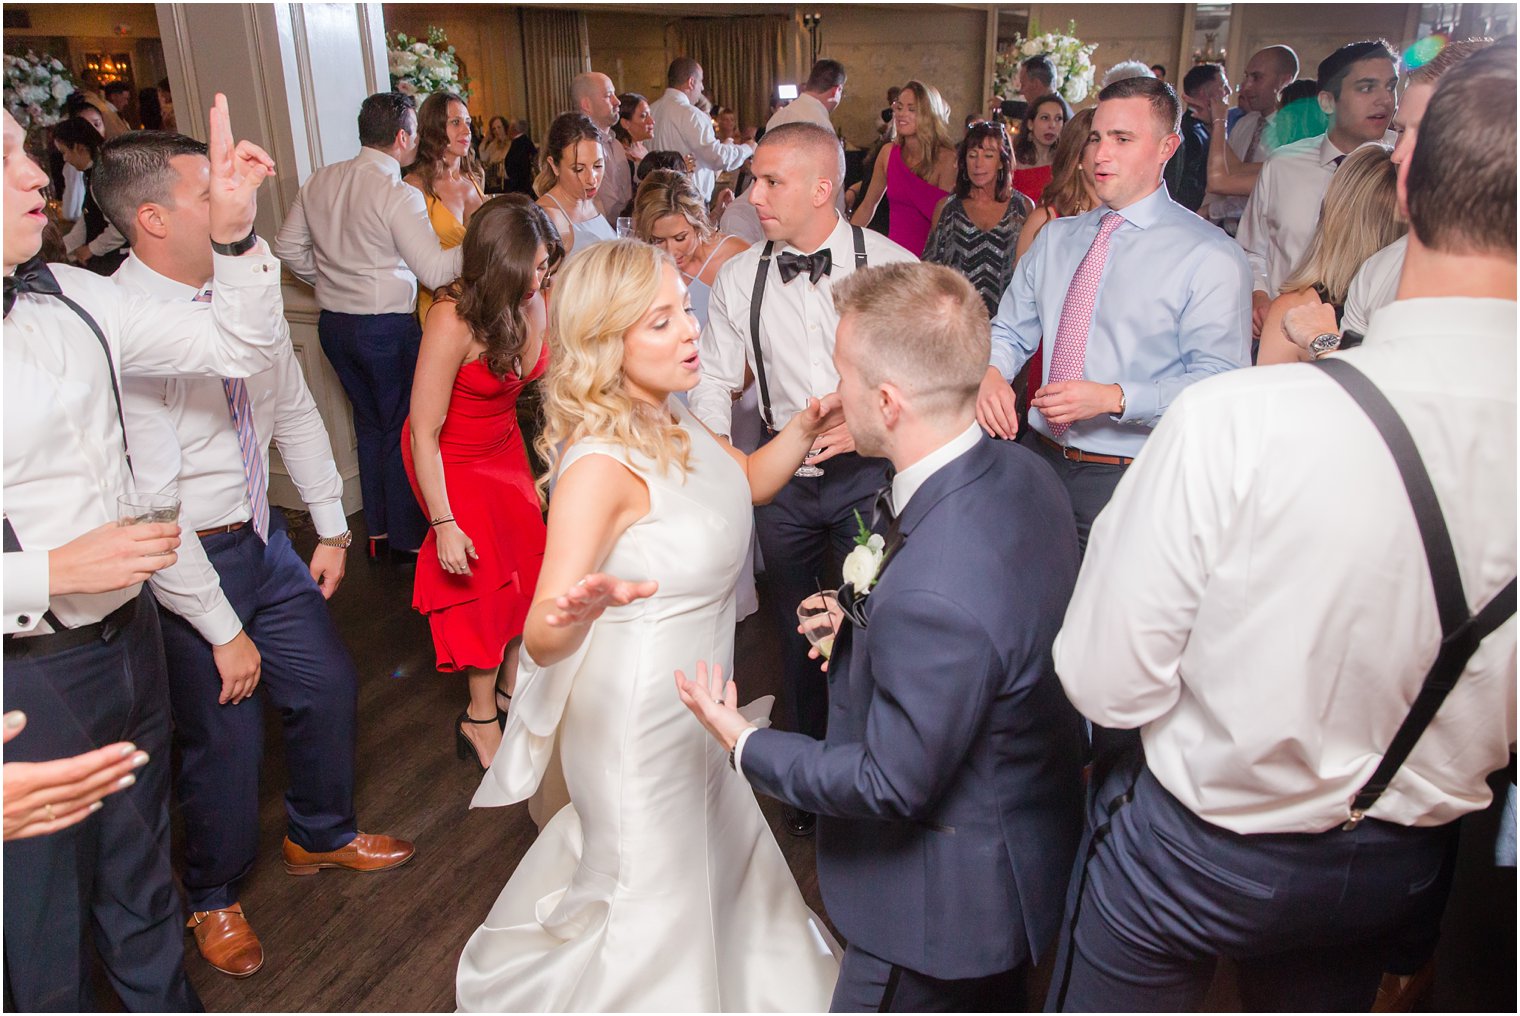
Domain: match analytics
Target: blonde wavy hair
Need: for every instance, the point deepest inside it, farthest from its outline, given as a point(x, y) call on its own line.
point(933, 126)
point(1359, 217)
point(603, 291)
point(667, 192)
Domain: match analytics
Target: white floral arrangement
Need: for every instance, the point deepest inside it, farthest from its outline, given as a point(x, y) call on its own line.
point(863, 564)
point(421, 68)
point(35, 89)
point(1070, 55)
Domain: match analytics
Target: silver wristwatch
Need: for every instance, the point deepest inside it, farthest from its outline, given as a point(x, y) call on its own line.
point(341, 541)
point(1320, 345)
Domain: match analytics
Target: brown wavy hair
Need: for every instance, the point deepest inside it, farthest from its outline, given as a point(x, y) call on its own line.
point(499, 248)
point(433, 140)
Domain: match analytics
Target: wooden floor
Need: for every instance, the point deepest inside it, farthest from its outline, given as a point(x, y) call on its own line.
point(390, 941)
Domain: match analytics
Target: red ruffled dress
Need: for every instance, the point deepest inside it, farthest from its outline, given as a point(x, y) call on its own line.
point(492, 497)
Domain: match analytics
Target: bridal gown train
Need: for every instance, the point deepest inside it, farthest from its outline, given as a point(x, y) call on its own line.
point(660, 886)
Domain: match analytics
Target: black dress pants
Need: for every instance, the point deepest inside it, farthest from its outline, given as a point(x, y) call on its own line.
point(108, 877)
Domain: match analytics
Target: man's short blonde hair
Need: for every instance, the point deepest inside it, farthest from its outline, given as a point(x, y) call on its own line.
point(921, 327)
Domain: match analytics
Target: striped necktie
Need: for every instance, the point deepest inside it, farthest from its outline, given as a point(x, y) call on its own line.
point(255, 484)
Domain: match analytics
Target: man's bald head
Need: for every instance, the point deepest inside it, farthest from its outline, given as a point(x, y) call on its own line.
point(594, 95)
point(818, 149)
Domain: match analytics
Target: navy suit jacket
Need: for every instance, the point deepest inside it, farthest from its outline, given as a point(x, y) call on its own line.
point(948, 789)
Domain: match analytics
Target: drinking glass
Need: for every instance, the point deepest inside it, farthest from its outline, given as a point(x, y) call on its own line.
point(816, 617)
point(624, 227)
point(132, 509)
point(807, 469)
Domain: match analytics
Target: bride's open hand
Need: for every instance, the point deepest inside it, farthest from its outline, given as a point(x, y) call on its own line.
point(584, 602)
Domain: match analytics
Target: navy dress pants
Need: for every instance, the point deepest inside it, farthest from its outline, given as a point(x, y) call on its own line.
point(869, 983)
point(107, 878)
point(1090, 485)
point(375, 356)
point(1311, 919)
point(308, 676)
point(805, 534)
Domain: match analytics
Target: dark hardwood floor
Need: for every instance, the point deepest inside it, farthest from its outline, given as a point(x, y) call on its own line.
point(390, 941)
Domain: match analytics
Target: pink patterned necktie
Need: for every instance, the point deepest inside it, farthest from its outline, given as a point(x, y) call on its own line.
point(1068, 359)
point(255, 485)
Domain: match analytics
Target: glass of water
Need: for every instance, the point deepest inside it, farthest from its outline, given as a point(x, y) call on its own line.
point(624, 227)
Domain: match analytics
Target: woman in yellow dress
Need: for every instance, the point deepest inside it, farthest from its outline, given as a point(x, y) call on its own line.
point(447, 173)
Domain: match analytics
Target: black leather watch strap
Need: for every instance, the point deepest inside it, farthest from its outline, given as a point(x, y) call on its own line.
point(242, 246)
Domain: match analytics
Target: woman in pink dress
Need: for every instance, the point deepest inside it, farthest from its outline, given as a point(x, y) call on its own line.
point(484, 342)
point(916, 172)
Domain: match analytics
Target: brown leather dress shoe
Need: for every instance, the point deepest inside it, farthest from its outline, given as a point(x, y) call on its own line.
point(366, 852)
point(226, 940)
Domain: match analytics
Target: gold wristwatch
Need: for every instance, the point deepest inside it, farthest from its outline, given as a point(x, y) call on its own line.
point(341, 541)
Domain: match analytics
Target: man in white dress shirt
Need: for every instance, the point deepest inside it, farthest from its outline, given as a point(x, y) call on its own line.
point(83, 657)
point(821, 95)
point(1377, 281)
point(1358, 89)
point(243, 609)
point(594, 95)
point(679, 126)
point(1267, 73)
point(798, 170)
point(363, 239)
point(1257, 600)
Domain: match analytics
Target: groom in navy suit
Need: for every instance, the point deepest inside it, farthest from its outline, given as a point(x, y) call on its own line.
point(948, 788)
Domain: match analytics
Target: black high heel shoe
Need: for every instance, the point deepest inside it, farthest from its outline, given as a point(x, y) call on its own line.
point(463, 746)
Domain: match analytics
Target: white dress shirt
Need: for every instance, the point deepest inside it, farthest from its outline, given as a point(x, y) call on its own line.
point(71, 206)
point(803, 109)
point(905, 484)
point(363, 238)
point(797, 322)
point(617, 181)
point(1283, 211)
point(681, 127)
point(1256, 595)
point(185, 444)
point(1375, 285)
point(64, 467)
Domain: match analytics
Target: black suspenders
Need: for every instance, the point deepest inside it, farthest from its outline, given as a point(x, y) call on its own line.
point(12, 541)
point(757, 297)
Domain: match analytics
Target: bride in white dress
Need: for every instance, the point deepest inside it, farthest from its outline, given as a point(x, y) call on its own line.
point(659, 886)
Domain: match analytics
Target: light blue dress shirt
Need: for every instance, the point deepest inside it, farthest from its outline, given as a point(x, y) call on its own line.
point(1173, 307)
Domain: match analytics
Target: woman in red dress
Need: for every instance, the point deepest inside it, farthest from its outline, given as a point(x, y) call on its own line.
point(483, 343)
point(1036, 148)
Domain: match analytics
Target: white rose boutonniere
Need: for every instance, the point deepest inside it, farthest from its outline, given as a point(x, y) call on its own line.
point(864, 562)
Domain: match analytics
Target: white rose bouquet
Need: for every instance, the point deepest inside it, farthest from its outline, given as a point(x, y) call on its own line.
point(1072, 59)
point(35, 89)
point(421, 68)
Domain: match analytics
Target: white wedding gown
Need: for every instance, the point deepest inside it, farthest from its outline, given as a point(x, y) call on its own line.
point(660, 886)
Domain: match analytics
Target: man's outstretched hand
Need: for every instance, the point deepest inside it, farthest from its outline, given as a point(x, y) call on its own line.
point(715, 703)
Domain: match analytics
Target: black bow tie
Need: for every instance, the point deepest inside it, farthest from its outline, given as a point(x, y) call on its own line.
point(816, 265)
point(32, 277)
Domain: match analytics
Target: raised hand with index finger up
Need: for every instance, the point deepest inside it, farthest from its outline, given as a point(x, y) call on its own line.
point(237, 171)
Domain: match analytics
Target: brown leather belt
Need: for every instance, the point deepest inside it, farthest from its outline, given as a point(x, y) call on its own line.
point(1078, 455)
point(218, 530)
